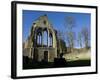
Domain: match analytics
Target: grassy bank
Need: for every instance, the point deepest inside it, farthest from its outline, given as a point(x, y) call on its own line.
point(38, 65)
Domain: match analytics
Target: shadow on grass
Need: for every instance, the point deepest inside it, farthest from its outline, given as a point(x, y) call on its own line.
point(58, 62)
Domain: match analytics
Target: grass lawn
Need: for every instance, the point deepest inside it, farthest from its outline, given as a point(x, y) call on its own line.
point(79, 63)
point(39, 65)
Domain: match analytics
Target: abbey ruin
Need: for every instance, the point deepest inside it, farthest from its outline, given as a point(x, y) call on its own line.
point(35, 47)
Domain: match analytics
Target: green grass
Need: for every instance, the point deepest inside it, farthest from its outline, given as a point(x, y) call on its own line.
point(39, 65)
point(79, 63)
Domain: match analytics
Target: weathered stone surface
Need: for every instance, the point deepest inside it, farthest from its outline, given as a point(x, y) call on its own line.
point(39, 51)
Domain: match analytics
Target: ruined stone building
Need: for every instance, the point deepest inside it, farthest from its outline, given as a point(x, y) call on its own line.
point(39, 46)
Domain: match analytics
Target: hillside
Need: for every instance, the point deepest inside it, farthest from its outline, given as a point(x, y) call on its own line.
point(78, 54)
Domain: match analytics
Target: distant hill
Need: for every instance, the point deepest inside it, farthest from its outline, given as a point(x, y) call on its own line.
point(75, 50)
point(78, 54)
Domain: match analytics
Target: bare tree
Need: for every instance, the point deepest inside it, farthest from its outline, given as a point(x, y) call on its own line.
point(80, 39)
point(86, 36)
point(61, 44)
point(70, 34)
point(60, 37)
point(70, 22)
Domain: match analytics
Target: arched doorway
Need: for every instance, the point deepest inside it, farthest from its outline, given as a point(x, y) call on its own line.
point(46, 56)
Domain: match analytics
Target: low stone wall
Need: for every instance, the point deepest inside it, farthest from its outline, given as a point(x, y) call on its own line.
point(26, 52)
point(51, 54)
point(39, 53)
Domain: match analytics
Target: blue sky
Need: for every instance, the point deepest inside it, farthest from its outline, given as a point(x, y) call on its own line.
point(56, 18)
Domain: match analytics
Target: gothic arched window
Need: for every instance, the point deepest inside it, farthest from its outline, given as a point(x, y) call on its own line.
point(45, 38)
point(50, 40)
point(39, 39)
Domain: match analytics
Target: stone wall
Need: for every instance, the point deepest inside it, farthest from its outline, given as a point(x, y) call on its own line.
point(31, 50)
point(41, 51)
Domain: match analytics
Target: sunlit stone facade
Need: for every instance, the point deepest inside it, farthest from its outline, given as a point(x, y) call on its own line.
point(41, 43)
